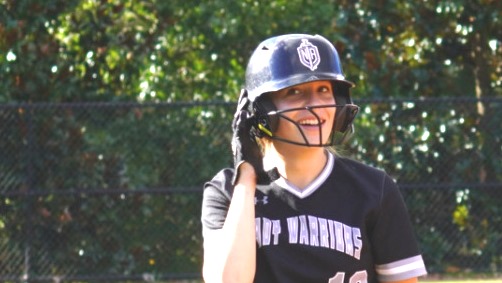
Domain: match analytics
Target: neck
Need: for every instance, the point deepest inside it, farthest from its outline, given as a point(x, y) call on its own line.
point(300, 165)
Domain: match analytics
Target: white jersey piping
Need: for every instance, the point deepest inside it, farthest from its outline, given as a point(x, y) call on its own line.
point(312, 187)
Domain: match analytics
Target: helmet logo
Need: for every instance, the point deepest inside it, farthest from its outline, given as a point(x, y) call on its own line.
point(309, 55)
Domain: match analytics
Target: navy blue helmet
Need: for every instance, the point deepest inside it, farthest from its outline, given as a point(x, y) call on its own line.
point(288, 60)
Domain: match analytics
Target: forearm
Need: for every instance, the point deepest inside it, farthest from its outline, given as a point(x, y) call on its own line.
point(232, 258)
point(239, 230)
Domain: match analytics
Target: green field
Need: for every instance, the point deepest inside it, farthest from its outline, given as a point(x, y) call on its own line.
point(463, 281)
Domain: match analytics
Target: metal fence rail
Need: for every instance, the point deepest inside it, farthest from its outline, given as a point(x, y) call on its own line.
point(112, 191)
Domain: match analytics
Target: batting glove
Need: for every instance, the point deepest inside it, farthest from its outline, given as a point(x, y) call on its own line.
point(244, 146)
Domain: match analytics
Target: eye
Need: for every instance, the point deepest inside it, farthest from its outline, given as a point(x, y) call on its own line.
point(293, 91)
point(323, 89)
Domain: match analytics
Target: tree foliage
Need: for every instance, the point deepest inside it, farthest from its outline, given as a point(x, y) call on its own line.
point(196, 50)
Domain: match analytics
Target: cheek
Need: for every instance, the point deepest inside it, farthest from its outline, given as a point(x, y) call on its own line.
point(332, 114)
point(284, 105)
point(329, 99)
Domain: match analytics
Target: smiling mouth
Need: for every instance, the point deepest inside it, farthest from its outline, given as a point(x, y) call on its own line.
point(311, 122)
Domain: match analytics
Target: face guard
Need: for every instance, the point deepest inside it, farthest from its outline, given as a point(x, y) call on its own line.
point(342, 128)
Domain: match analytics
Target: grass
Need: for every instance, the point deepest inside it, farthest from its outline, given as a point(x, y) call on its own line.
point(461, 280)
point(464, 281)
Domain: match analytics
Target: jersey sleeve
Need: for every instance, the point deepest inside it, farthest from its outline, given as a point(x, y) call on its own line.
point(216, 201)
point(393, 242)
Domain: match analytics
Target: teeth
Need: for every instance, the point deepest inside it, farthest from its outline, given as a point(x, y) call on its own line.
point(309, 122)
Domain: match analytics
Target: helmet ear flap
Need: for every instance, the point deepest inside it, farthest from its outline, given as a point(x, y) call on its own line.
point(344, 115)
point(266, 124)
point(341, 92)
point(344, 118)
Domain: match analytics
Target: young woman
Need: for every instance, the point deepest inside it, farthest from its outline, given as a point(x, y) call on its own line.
point(291, 210)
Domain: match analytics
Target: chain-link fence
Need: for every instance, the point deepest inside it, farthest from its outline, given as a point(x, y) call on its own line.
point(112, 192)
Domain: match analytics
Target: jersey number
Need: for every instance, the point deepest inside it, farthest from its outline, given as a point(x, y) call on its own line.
point(358, 277)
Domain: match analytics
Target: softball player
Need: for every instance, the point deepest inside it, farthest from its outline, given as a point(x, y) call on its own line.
point(291, 210)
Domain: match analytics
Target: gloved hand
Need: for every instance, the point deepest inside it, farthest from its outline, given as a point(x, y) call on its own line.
point(244, 146)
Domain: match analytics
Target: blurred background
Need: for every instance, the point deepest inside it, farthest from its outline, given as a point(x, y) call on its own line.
point(113, 114)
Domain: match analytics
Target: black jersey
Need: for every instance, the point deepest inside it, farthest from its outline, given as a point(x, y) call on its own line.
point(349, 225)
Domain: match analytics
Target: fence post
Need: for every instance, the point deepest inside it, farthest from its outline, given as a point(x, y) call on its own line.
point(29, 155)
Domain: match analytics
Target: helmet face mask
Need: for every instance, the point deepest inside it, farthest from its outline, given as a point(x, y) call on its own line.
point(267, 124)
point(288, 60)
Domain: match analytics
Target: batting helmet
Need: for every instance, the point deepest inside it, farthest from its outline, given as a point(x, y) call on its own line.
point(288, 60)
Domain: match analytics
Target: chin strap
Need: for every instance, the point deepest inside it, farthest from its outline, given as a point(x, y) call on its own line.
point(267, 177)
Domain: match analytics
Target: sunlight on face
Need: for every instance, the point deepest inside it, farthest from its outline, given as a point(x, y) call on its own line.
point(307, 94)
point(313, 125)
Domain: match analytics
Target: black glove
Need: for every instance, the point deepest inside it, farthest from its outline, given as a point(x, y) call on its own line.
point(244, 145)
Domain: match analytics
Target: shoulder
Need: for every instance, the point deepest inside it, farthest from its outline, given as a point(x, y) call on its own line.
point(364, 178)
point(221, 182)
point(216, 200)
point(357, 169)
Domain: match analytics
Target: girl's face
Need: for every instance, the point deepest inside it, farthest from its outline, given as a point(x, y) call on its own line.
point(315, 124)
